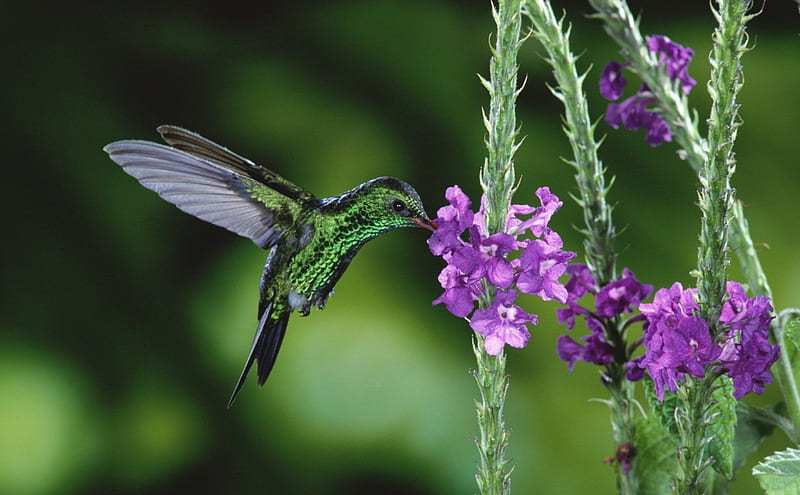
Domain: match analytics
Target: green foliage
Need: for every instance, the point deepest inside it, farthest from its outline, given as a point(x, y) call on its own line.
point(656, 464)
point(753, 425)
point(664, 411)
point(720, 418)
point(779, 474)
point(722, 426)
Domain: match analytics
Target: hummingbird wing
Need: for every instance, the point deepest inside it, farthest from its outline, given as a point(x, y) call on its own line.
point(214, 184)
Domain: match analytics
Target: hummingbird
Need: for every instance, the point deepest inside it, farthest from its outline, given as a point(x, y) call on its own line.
point(311, 241)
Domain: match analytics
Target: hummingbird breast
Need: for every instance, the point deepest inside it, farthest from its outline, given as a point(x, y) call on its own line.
point(317, 267)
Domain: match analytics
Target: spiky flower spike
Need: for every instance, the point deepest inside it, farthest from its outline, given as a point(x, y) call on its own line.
point(311, 240)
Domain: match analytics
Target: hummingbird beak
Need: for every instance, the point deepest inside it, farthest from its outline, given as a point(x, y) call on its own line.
point(426, 224)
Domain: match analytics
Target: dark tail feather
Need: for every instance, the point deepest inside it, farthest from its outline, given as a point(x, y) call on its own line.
point(266, 344)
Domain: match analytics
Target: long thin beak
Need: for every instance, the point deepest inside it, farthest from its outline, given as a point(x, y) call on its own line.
point(426, 224)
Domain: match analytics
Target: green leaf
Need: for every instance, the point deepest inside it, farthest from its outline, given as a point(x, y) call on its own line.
point(791, 344)
point(791, 332)
point(663, 410)
point(656, 463)
point(752, 426)
point(779, 474)
point(722, 426)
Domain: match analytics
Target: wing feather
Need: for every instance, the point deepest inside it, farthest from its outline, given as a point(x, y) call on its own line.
point(214, 184)
point(208, 150)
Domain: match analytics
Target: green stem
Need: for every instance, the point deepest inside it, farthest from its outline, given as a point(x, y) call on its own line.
point(714, 161)
point(716, 198)
point(498, 181)
point(599, 231)
point(492, 477)
point(590, 175)
point(694, 397)
point(623, 28)
point(497, 175)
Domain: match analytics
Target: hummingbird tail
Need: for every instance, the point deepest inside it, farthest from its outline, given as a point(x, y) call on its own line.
point(266, 344)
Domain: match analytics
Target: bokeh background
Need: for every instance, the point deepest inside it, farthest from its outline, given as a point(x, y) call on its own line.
point(124, 323)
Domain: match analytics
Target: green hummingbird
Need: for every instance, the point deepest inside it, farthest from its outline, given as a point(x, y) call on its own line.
point(310, 240)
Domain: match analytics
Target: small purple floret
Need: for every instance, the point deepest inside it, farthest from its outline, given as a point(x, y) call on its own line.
point(612, 82)
point(621, 295)
point(675, 58)
point(503, 323)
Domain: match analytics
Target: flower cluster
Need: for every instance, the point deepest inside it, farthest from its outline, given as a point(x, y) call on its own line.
point(679, 342)
point(632, 113)
point(477, 260)
point(612, 300)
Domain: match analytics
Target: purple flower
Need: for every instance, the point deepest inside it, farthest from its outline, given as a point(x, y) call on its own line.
point(676, 340)
point(452, 220)
point(679, 342)
point(460, 291)
point(634, 371)
point(580, 282)
point(540, 267)
point(672, 300)
point(675, 58)
point(503, 323)
point(485, 257)
point(744, 313)
point(632, 113)
point(747, 354)
point(568, 350)
point(612, 82)
point(621, 295)
point(615, 298)
point(689, 347)
point(598, 350)
point(567, 315)
point(657, 130)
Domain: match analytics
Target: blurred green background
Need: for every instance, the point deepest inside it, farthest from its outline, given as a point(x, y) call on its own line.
point(125, 323)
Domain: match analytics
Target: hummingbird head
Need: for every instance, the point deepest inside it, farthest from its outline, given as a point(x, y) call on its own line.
point(386, 203)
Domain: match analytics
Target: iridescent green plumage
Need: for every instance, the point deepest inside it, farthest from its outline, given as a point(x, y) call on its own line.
point(311, 240)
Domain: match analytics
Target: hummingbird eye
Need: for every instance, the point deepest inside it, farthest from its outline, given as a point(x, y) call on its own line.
point(398, 206)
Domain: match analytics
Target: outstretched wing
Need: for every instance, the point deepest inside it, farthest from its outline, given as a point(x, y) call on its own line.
point(214, 184)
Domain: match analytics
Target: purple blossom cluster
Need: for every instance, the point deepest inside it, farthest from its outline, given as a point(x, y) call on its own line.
point(632, 113)
point(610, 301)
point(477, 260)
point(679, 342)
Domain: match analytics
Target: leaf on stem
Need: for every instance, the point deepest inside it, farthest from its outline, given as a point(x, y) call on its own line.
point(779, 474)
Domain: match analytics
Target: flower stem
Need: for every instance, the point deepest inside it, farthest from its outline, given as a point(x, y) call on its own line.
point(623, 28)
point(714, 161)
point(497, 175)
point(716, 200)
point(599, 232)
point(498, 180)
point(716, 197)
point(492, 381)
point(691, 416)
